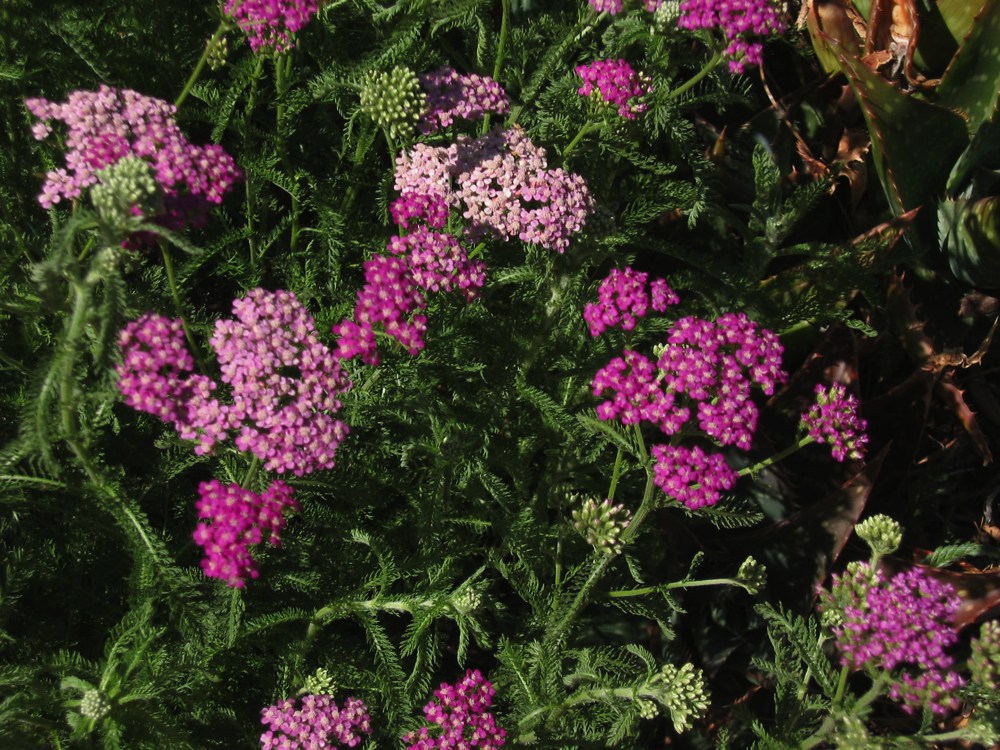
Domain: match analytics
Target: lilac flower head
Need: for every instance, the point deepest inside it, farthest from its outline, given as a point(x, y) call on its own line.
point(833, 419)
point(458, 717)
point(615, 83)
point(269, 24)
point(743, 24)
point(906, 622)
point(691, 476)
point(238, 518)
point(107, 125)
point(625, 295)
point(451, 95)
point(318, 723)
point(156, 365)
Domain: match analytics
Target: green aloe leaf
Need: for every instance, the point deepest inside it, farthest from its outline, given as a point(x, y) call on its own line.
point(958, 15)
point(914, 143)
point(971, 84)
point(969, 232)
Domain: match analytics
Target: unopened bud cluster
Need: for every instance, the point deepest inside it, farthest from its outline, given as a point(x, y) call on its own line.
point(682, 692)
point(218, 52)
point(125, 192)
point(95, 705)
point(318, 683)
point(395, 101)
point(753, 575)
point(984, 663)
point(883, 534)
point(602, 524)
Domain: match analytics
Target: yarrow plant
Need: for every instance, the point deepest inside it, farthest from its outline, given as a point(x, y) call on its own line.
point(317, 723)
point(457, 717)
point(269, 24)
point(833, 419)
point(237, 518)
point(743, 23)
point(615, 83)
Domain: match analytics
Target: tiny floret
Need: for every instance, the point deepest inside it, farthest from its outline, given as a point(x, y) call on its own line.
point(833, 419)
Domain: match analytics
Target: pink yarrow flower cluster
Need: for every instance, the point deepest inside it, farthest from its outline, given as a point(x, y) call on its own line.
point(395, 287)
point(614, 7)
point(236, 519)
point(616, 83)
point(502, 184)
point(833, 419)
point(318, 723)
point(451, 95)
point(282, 381)
point(624, 296)
point(742, 22)
point(106, 125)
point(459, 718)
point(691, 476)
point(269, 24)
point(904, 622)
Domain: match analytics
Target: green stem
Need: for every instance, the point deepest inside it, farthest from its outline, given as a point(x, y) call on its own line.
point(694, 80)
point(841, 686)
point(168, 265)
point(282, 72)
point(501, 49)
point(588, 128)
point(251, 473)
point(615, 474)
point(193, 78)
point(646, 590)
point(776, 457)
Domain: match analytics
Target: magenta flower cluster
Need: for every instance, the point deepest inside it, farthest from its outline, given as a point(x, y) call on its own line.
point(833, 419)
point(283, 383)
point(269, 24)
point(616, 83)
point(742, 22)
point(502, 184)
point(396, 285)
point(451, 95)
point(318, 723)
point(106, 125)
point(705, 368)
point(906, 621)
point(614, 7)
point(459, 718)
point(623, 297)
point(237, 518)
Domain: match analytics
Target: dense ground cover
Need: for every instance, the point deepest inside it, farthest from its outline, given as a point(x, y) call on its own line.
point(470, 373)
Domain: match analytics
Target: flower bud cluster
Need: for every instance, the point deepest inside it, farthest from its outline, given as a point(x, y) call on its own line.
point(319, 723)
point(503, 186)
point(94, 705)
point(984, 663)
point(882, 533)
point(602, 524)
point(269, 24)
point(395, 285)
point(905, 622)
point(743, 23)
point(614, 82)
point(450, 96)
point(125, 192)
point(624, 296)
point(282, 381)
point(107, 125)
point(395, 100)
point(833, 419)
point(753, 575)
point(682, 692)
point(459, 718)
point(236, 519)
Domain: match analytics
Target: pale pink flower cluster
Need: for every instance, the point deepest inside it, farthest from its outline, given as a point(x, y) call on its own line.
point(503, 184)
point(625, 295)
point(614, 7)
point(742, 22)
point(691, 476)
point(236, 519)
point(908, 622)
point(614, 82)
point(395, 285)
point(283, 383)
point(459, 718)
point(318, 723)
point(451, 95)
point(269, 24)
point(105, 125)
point(833, 419)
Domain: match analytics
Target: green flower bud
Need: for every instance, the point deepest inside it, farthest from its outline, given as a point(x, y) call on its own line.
point(682, 692)
point(647, 709)
point(602, 524)
point(95, 705)
point(468, 600)
point(851, 734)
point(318, 683)
point(984, 663)
point(753, 575)
point(666, 16)
point(882, 534)
point(218, 52)
point(122, 187)
point(395, 101)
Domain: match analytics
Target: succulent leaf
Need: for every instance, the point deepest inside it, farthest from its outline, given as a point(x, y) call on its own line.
point(969, 232)
point(971, 84)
